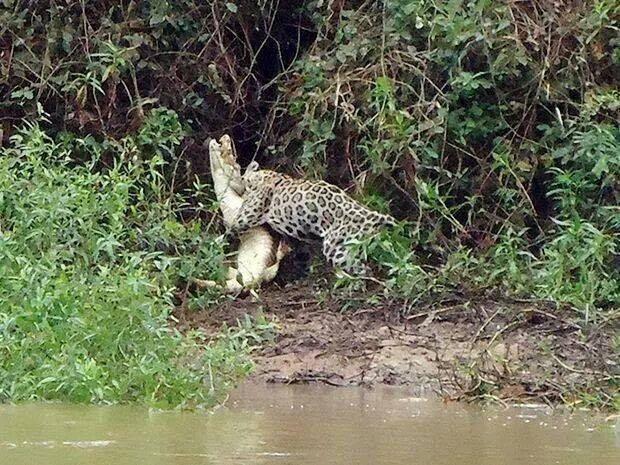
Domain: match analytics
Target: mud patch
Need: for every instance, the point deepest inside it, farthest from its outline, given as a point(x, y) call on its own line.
point(467, 348)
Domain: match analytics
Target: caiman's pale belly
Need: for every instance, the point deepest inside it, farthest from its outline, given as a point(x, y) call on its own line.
point(257, 249)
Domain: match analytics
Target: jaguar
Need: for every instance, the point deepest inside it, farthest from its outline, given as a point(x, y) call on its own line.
point(306, 209)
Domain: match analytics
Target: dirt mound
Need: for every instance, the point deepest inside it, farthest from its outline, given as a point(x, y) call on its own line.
point(483, 348)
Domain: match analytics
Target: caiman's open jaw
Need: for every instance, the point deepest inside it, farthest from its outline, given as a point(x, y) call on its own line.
point(228, 151)
point(215, 155)
point(224, 165)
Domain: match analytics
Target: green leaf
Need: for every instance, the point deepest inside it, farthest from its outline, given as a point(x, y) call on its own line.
point(22, 93)
point(410, 8)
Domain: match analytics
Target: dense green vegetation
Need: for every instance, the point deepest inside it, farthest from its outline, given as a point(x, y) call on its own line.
point(89, 257)
point(489, 127)
point(502, 147)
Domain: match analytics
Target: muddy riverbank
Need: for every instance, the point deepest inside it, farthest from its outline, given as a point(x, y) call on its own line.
point(484, 348)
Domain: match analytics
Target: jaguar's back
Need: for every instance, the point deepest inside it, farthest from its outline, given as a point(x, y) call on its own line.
point(302, 208)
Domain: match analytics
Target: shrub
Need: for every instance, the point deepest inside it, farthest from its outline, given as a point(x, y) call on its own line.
point(88, 262)
point(481, 123)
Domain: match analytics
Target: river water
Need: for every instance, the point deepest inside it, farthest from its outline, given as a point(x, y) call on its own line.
point(306, 425)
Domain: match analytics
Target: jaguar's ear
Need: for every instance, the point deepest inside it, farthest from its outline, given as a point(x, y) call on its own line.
point(253, 166)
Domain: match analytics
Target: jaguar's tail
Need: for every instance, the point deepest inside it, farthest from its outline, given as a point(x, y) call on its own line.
point(381, 219)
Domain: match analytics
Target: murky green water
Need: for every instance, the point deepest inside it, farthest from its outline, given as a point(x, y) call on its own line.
point(305, 425)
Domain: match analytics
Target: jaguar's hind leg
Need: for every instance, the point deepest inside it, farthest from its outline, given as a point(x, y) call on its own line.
point(337, 252)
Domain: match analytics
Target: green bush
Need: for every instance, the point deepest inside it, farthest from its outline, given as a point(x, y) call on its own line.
point(493, 133)
point(88, 262)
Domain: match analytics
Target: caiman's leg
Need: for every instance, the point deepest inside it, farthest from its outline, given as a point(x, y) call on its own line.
point(283, 250)
point(231, 285)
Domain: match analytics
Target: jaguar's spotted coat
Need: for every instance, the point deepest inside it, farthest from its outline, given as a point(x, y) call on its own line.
point(303, 209)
